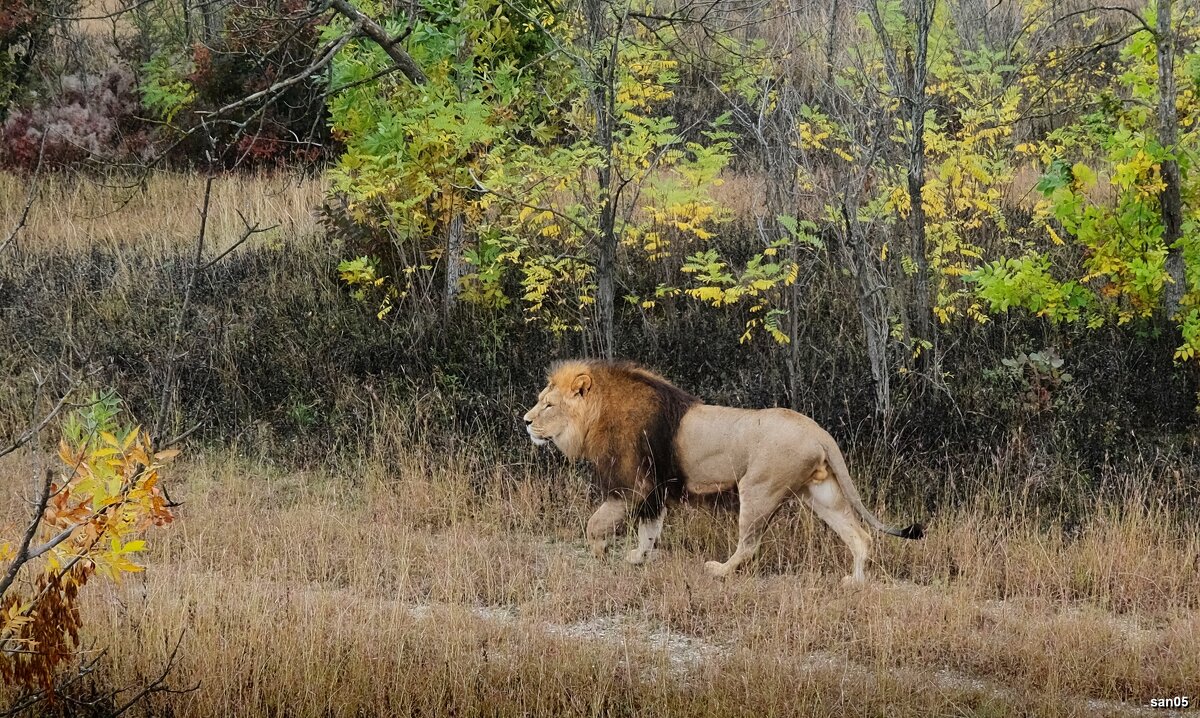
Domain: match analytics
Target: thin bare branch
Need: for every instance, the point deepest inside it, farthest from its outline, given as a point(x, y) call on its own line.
point(164, 403)
point(34, 430)
point(22, 556)
point(30, 196)
point(156, 685)
point(250, 232)
point(175, 440)
point(325, 57)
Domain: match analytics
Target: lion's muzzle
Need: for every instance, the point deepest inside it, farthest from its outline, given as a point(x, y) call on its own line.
point(537, 440)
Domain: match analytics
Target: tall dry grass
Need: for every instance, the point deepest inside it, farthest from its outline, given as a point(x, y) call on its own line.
point(409, 581)
point(73, 212)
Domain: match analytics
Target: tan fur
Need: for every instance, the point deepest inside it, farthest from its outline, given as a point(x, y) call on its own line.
point(593, 411)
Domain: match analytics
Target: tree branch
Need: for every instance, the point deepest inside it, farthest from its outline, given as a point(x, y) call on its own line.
point(372, 29)
point(165, 400)
point(34, 430)
point(324, 58)
point(250, 232)
point(22, 556)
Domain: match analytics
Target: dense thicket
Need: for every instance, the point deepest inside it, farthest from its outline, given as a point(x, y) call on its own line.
point(281, 362)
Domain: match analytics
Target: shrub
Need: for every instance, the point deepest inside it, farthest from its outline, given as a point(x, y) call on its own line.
point(261, 43)
point(93, 117)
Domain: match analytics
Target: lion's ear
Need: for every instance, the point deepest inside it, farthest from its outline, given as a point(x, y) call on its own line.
point(582, 384)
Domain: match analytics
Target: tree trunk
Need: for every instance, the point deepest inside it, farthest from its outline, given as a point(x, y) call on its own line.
point(208, 11)
point(909, 86)
point(1168, 137)
point(454, 261)
point(603, 81)
point(605, 266)
point(872, 309)
point(186, 6)
point(830, 47)
point(917, 103)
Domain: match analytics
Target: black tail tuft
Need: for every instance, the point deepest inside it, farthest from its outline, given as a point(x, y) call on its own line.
point(914, 532)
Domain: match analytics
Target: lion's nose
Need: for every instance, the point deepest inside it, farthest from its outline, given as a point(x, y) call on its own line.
point(528, 421)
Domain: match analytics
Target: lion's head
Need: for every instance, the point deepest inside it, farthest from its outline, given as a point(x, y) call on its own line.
point(561, 414)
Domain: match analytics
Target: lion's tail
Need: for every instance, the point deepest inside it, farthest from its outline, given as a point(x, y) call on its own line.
point(837, 463)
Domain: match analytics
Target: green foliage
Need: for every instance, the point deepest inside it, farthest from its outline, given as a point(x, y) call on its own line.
point(506, 135)
point(543, 139)
point(1028, 283)
point(1040, 376)
point(801, 231)
point(368, 285)
point(971, 161)
point(1101, 187)
point(165, 88)
point(414, 153)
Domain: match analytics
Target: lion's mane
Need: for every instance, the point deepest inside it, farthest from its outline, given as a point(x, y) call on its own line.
point(629, 421)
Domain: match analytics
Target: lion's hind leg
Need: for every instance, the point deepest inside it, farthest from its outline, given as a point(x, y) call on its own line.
point(826, 499)
point(758, 503)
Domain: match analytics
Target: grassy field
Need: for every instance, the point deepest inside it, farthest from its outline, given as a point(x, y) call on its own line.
point(417, 583)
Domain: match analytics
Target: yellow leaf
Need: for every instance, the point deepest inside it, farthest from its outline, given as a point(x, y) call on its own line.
point(65, 453)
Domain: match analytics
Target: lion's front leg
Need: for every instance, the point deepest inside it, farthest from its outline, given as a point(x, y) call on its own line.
point(649, 529)
point(605, 523)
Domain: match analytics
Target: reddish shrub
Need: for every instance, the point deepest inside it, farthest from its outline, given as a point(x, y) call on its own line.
point(92, 117)
point(262, 41)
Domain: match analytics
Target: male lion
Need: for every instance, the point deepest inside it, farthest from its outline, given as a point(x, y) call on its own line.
point(650, 441)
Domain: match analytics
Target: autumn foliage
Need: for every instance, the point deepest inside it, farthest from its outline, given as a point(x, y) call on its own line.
point(98, 504)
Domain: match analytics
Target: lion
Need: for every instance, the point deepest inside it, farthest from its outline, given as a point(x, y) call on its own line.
point(650, 442)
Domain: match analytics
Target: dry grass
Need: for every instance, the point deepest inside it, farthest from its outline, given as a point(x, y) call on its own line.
point(74, 212)
point(410, 583)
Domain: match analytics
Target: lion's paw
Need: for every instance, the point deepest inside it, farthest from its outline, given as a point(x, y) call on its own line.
point(599, 549)
point(716, 569)
point(854, 582)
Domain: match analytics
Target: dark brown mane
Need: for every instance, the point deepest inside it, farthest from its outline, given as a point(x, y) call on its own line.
point(637, 424)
